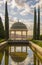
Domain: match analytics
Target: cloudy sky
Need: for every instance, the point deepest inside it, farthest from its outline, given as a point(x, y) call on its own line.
point(22, 10)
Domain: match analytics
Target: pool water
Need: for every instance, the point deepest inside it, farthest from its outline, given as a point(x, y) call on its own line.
point(27, 61)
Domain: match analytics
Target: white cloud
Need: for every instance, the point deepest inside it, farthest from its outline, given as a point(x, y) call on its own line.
point(36, 0)
point(36, 5)
point(3, 18)
point(40, 3)
point(4, 1)
point(13, 3)
point(26, 9)
point(24, 13)
point(14, 13)
point(20, 4)
point(1, 3)
point(1, 15)
point(41, 13)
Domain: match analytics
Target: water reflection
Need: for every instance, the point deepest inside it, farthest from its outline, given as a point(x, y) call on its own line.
point(2, 61)
point(6, 59)
point(1, 56)
point(27, 61)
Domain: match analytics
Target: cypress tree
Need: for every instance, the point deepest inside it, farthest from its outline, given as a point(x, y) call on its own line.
point(34, 30)
point(38, 30)
point(6, 22)
point(2, 35)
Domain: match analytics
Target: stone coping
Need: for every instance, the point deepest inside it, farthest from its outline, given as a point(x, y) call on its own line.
point(2, 43)
point(37, 47)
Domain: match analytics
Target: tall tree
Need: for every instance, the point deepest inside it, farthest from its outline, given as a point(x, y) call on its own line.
point(6, 22)
point(35, 24)
point(2, 35)
point(38, 30)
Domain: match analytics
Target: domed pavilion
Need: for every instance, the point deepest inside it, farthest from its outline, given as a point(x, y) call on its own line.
point(21, 29)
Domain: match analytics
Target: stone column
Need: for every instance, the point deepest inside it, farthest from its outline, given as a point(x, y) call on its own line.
point(10, 49)
point(14, 48)
point(10, 35)
point(26, 35)
point(21, 48)
point(21, 35)
point(14, 35)
point(26, 48)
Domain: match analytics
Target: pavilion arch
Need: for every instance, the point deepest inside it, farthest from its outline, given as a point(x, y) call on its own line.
point(21, 29)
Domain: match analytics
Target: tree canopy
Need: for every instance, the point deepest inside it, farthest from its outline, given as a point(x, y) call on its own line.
point(2, 32)
point(6, 22)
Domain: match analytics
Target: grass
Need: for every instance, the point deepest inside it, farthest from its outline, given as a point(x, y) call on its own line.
point(2, 40)
point(37, 42)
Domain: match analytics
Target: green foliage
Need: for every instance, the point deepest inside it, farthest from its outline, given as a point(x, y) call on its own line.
point(34, 30)
point(6, 22)
point(2, 32)
point(37, 42)
point(40, 37)
point(2, 40)
point(38, 30)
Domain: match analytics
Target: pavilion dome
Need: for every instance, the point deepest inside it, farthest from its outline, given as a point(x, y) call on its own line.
point(19, 25)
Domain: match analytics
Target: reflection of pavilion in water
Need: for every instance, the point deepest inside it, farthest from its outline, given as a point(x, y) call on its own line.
point(10, 57)
point(18, 31)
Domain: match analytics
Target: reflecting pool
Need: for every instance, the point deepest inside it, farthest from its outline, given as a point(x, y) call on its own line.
point(6, 59)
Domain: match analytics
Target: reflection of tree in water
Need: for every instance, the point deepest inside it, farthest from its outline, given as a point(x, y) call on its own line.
point(1, 56)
